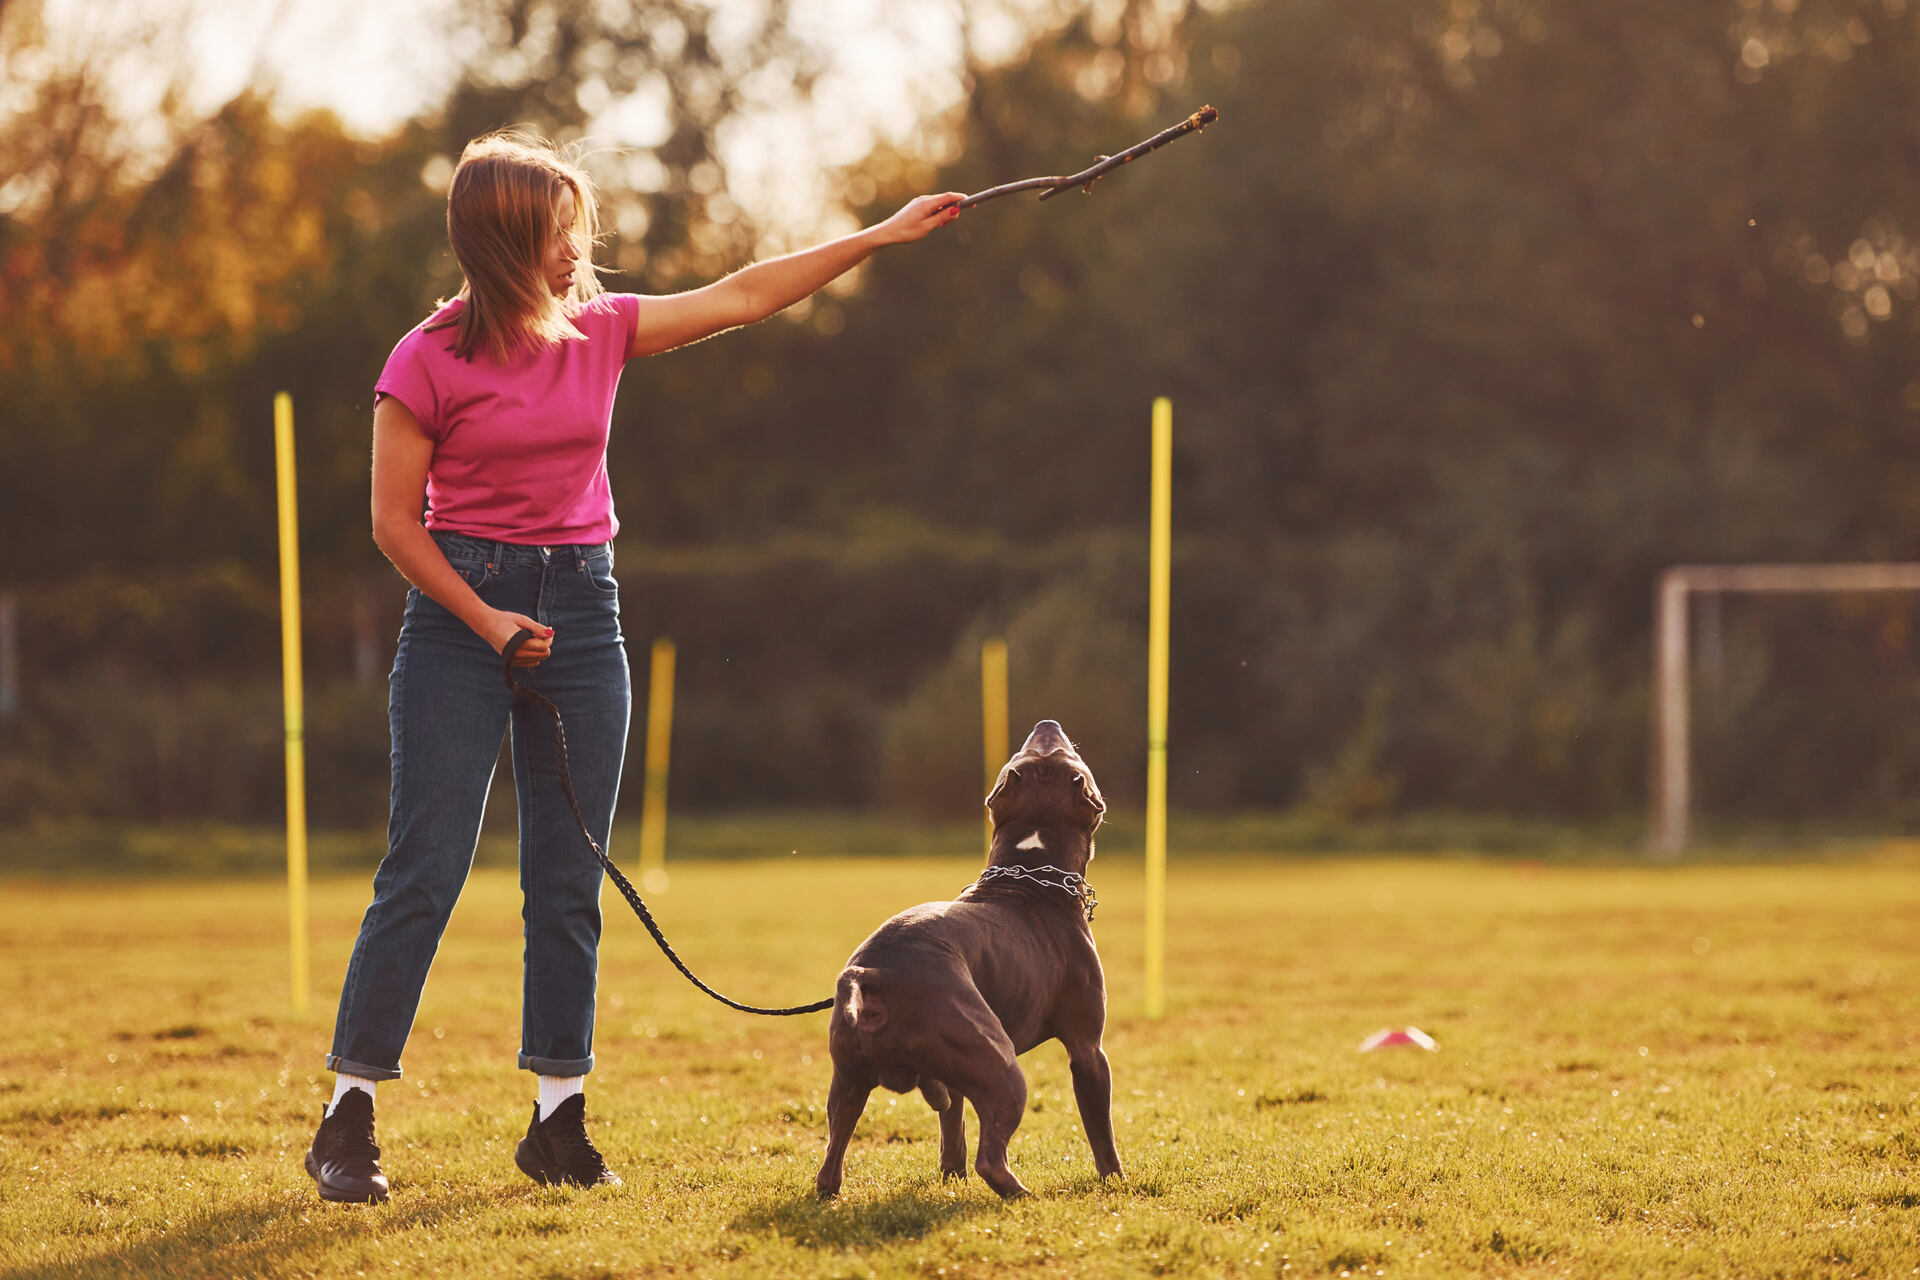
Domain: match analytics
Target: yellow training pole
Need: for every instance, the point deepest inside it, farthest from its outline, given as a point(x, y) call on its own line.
point(993, 717)
point(295, 698)
point(653, 806)
point(1160, 572)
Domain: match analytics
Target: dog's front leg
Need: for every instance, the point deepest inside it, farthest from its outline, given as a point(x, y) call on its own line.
point(846, 1099)
point(1093, 1090)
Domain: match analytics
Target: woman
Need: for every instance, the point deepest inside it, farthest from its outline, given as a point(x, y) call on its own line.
point(494, 414)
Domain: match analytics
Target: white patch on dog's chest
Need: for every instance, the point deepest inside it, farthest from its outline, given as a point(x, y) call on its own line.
point(1031, 842)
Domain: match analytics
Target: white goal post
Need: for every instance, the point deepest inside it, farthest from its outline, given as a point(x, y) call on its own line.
point(1670, 764)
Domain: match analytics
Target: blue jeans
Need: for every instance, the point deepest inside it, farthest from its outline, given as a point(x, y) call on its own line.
point(448, 707)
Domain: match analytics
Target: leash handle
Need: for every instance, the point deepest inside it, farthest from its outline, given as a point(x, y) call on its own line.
point(507, 651)
point(522, 692)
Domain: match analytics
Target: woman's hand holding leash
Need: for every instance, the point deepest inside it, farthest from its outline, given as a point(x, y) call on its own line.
point(504, 626)
point(401, 454)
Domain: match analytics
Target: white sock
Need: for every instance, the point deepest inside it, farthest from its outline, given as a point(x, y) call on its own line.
point(555, 1090)
point(343, 1082)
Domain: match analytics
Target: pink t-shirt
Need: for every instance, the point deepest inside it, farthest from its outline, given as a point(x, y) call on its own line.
point(519, 449)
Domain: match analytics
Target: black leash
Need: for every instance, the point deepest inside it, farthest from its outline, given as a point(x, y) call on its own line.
point(627, 891)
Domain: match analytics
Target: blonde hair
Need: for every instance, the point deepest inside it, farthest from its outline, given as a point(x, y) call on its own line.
point(501, 210)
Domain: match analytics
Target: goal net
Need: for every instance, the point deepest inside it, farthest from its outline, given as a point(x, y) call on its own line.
point(1672, 782)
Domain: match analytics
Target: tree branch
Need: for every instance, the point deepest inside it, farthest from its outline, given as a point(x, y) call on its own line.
point(1085, 179)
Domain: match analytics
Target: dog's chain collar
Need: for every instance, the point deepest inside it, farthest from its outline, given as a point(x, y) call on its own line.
point(1071, 881)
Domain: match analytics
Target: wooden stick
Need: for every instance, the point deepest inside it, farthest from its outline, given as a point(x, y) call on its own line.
point(1051, 187)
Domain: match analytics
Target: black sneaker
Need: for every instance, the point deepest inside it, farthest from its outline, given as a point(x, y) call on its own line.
point(343, 1160)
point(558, 1150)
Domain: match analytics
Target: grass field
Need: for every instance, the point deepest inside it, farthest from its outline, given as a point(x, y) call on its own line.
point(1691, 1071)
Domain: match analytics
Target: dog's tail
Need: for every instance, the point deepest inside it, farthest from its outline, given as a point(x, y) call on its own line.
point(861, 1009)
point(860, 997)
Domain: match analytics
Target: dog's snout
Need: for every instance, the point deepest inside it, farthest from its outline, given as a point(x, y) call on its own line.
point(1047, 736)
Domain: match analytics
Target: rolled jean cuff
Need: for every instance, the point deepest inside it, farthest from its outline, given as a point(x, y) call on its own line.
point(341, 1066)
point(556, 1066)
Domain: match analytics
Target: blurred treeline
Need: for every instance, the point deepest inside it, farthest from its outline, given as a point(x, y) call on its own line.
point(1475, 315)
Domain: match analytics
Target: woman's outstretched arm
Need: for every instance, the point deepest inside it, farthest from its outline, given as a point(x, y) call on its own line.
point(756, 292)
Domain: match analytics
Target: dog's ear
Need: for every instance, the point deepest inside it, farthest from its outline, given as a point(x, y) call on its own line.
point(1089, 794)
point(1008, 777)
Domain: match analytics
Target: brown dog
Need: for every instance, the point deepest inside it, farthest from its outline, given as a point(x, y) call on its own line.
point(944, 996)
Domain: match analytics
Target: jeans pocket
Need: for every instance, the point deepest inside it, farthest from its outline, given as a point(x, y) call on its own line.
point(476, 573)
point(597, 572)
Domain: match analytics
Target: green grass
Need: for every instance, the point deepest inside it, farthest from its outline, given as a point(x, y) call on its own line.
point(1684, 1071)
point(214, 849)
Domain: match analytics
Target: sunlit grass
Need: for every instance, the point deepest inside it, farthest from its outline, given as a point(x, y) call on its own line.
point(1709, 1071)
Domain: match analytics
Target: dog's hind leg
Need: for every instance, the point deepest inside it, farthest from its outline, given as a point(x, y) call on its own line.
point(953, 1127)
point(979, 1064)
point(846, 1099)
point(1001, 1100)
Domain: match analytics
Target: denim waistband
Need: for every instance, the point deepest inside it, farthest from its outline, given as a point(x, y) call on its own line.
point(500, 554)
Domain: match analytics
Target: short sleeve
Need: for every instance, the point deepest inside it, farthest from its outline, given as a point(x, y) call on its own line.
point(629, 305)
point(621, 315)
point(407, 379)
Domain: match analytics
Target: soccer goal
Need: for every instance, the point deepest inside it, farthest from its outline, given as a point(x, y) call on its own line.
point(1670, 765)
